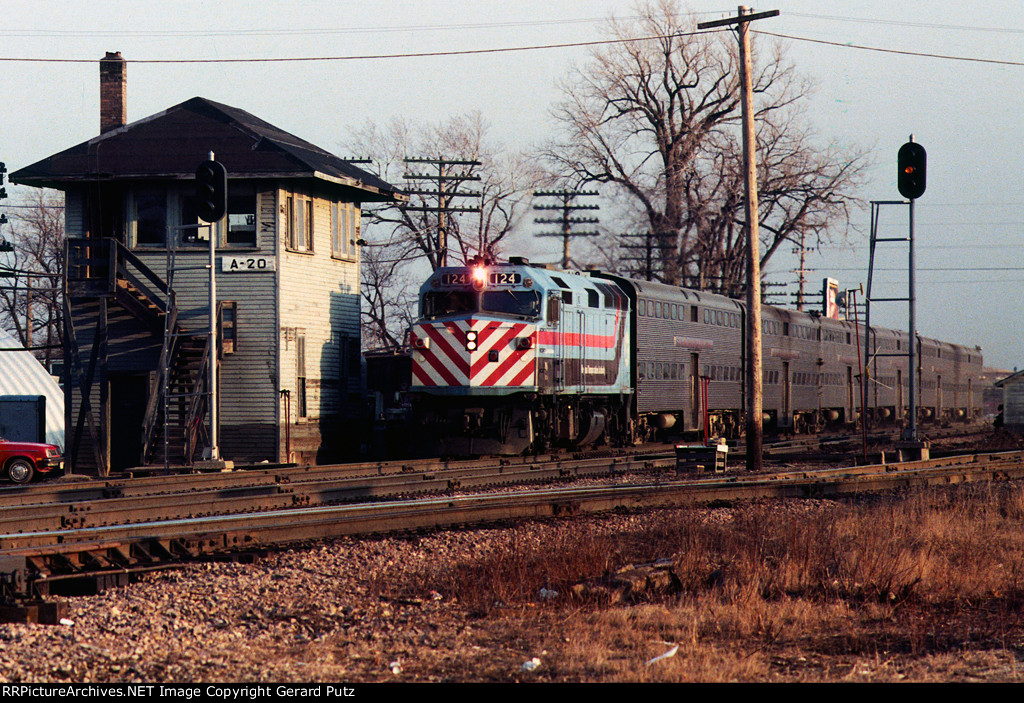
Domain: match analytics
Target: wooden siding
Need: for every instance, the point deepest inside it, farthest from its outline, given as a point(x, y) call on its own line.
point(248, 377)
point(312, 294)
point(319, 301)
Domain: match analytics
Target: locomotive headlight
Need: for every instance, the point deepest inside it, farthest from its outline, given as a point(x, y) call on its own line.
point(524, 343)
point(479, 277)
point(471, 340)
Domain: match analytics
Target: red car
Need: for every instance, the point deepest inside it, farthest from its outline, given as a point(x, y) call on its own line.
point(21, 460)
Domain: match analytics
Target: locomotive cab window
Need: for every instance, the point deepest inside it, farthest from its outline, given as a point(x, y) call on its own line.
point(518, 303)
point(515, 303)
point(448, 302)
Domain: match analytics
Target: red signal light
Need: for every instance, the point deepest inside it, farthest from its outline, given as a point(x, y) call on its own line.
point(912, 162)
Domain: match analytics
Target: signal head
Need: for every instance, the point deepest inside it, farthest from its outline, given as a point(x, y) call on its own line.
point(211, 191)
point(912, 164)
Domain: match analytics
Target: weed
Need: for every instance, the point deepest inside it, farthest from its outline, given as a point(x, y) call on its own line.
point(924, 572)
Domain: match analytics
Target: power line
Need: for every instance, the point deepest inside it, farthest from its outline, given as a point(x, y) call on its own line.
point(363, 57)
point(904, 23)
point(509, 49)
point(901, 52)
point(279, 31)
point(958, 268)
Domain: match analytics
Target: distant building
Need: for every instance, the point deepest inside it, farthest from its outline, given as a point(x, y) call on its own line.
point(21, 376)
point(1013, 401)
point(287, 278)
point(991, 394)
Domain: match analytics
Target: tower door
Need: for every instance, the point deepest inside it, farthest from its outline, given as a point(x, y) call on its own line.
point(128, 395)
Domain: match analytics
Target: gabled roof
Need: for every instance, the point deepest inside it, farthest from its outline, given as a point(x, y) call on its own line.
point(172, 143)
point(1009, 379)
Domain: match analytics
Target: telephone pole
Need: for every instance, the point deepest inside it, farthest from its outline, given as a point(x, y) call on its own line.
point(754, 391)
point(567, 206)
point(446, 190)
point(803, 250)
point(651, 244)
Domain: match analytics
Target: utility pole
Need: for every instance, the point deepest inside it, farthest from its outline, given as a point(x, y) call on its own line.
point(446, 182)
point(801, 273)
point(567, 206)
point(3, 195)
point(769, 298)
point(651, 243)
point(754, 391)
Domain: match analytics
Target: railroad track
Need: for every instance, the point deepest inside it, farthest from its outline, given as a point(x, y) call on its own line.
point(54, 507)
point(105, 551)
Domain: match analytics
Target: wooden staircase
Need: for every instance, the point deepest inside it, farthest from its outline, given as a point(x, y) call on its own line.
point(173, 427)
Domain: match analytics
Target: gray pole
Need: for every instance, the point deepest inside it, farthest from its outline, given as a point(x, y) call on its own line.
point(214, 232)
point(911, 431)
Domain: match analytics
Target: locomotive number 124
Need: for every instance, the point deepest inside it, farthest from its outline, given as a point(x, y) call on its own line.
point(495, 278)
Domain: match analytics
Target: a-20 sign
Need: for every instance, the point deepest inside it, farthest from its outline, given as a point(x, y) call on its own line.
point(247, 264)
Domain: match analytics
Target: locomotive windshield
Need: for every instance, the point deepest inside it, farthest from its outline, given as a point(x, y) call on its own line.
point(514, 303)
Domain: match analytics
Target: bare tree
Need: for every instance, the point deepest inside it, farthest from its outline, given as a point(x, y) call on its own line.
point(389, 298)
point(402, 242)
point(657, 119)
point(30, 289)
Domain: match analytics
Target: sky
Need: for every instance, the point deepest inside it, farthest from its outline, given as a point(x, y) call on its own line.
point(969, 229)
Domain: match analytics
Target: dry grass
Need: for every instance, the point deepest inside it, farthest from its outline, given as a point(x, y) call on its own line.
point(927, 585)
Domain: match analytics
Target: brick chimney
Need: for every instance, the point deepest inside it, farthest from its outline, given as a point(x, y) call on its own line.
point(113, 92)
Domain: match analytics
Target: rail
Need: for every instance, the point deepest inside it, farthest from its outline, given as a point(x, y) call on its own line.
point(271, 513)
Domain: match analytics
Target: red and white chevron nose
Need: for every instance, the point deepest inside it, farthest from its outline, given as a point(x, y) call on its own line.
point(482, 353)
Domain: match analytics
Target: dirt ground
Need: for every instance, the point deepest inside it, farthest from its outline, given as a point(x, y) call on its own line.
point(469, 606)
point(365, 611)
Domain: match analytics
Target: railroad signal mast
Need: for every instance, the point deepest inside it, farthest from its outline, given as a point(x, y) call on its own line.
point(911, 174)
point(211, 206)
point(912, 162)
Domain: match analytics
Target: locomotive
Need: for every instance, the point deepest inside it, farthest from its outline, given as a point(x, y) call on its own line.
point(511, 357)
